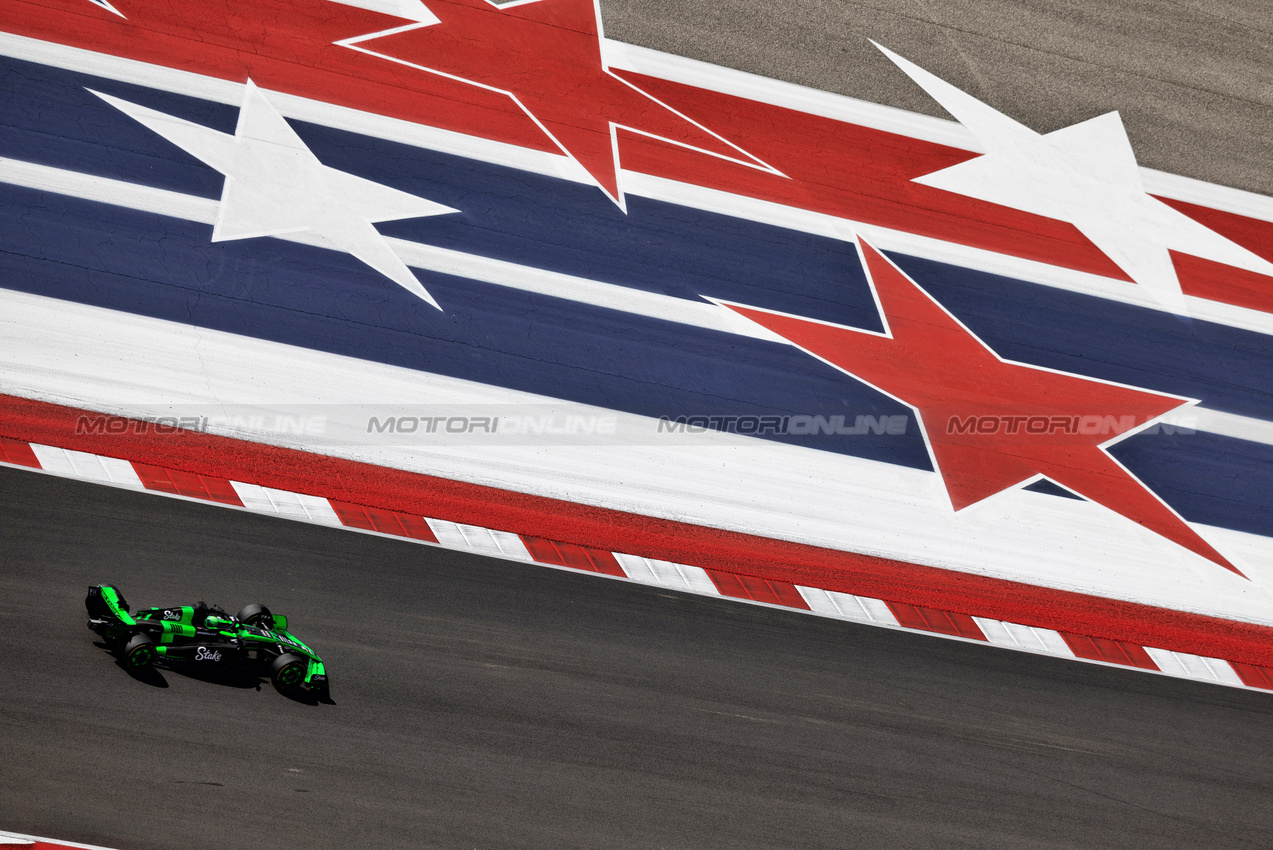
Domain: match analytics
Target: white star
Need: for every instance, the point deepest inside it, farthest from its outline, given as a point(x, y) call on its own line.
point(275, 185)
point(1085, 174)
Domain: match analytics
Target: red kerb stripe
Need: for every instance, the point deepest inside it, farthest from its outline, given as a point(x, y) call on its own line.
point(757, 589)
point(572, 555)
point(1113, 651)
point(933, 620)
point(188, 484)
point(18, 452)
point(1254, 676)
point(385, 522)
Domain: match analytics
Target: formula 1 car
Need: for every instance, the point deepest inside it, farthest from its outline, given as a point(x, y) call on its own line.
point(207, 637)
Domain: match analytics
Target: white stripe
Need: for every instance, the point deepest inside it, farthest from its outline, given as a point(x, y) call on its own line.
point(638, 302)
point(1029, 638)
point(1224, 424)
point(878, 611)
point(286, 504)
point(87, 467)
point(658, 188)
point(846, 606)
point(1199, 667)
point(667, 574)
point(475, 538)
point(1217, 197)
point(105, 190)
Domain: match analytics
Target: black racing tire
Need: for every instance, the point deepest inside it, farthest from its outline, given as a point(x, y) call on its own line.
point(287, 672)
point(139, 653)
point(255, 614)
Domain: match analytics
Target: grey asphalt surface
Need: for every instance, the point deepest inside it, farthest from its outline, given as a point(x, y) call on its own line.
point(482, 703)
point(1193, 79)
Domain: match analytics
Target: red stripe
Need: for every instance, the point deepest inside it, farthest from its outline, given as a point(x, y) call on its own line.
point(934, 620)
point(1218, 282)
point(385, 522)
point(1113, 651)
point(1254, 676)
point(572, 555)
point(18, 452)
point(192, 484)
point(598, 528)
point(757, 589)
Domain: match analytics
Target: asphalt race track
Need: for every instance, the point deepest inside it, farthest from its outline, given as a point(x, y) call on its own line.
point(481, 703)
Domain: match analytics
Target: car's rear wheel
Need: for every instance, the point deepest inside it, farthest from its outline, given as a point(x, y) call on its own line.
point(288, 671)
point(255, 615)
point(139, 652)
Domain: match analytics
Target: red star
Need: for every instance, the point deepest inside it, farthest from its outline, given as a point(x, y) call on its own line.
point(546, 55)
point(992, 424)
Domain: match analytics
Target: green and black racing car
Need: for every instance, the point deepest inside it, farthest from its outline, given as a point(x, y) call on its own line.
point(208, 638)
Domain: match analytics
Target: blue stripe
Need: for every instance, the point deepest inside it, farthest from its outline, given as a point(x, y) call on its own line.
point(1206, 477)
point(327, 301)
point(48, 117)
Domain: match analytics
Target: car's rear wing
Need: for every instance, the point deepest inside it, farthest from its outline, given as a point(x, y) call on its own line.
point(106, 604)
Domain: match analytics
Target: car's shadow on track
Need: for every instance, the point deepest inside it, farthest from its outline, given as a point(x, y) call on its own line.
point(307, 698)
point(240, 679)
point(147, 676)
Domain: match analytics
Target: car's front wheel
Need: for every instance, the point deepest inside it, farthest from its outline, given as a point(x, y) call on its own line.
point(139, 652)
point(288, 671)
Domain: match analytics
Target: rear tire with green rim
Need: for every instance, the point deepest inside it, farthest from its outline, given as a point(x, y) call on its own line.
point(139, 653)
